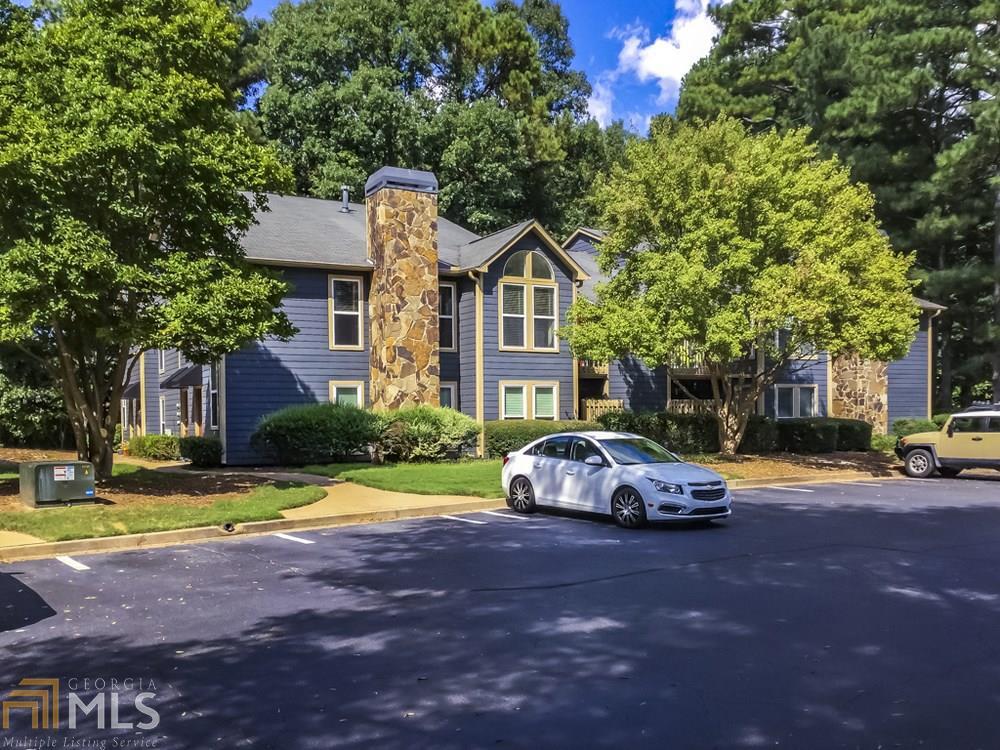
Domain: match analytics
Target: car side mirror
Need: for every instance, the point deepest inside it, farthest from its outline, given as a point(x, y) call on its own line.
point(951, 430)
point(594, 461)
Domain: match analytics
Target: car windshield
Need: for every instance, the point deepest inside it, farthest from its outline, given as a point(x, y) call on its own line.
point(638, 450)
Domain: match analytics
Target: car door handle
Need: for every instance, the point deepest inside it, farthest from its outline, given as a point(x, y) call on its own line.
point(538, 464)
point(976, 439)
point(571, 472)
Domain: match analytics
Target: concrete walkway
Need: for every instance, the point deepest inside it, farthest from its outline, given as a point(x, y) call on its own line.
point(345, 498)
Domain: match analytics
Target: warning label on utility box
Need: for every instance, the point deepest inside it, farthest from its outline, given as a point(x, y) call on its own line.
point(64, 473)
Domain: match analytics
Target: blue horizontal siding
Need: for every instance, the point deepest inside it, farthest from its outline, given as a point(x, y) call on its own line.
point(266, 376)
point(908, 386)
point(640, 387)
point(498, 365)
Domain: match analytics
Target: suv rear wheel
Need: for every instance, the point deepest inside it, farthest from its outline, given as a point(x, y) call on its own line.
point(919, 463)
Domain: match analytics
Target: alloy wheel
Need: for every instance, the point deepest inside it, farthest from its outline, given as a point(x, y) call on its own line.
point(919, 463)
point(520, 495)
point(628, 509)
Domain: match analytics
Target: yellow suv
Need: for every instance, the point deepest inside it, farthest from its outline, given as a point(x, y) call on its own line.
point(969, 440)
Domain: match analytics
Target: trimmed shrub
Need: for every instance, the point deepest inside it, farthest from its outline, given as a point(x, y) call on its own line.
point(505, 436)
point(204, 452)
point(761, 436)
point(940, 419)
point(425, 433)
point(853, 434)
point(908, 426)
point(883, 443)
point(808, 435)
point(682, 433)
point(316, 433)
point(155, 447)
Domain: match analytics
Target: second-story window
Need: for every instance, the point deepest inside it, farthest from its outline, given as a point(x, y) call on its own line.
point(446, 316)
point(529, 303)
point(345, 313)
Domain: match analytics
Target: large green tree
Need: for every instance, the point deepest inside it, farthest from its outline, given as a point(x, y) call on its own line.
point(902, 91)
point(122, 171)
point(718, 240)
point(485, 97)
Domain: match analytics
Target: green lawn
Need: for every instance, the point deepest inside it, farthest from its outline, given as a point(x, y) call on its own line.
point(475, 478)
point(264, 503)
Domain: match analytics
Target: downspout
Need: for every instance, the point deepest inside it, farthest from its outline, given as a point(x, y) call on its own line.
point(480, 368)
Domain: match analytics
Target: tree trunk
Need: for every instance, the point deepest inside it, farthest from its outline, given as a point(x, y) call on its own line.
point(732, 426)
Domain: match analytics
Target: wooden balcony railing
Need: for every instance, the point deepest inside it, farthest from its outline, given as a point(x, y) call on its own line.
point(592, 408)
point(687, 406)
point(591, 369)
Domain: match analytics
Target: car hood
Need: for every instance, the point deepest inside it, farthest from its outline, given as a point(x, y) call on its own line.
point(922, 437)
point(677, 473)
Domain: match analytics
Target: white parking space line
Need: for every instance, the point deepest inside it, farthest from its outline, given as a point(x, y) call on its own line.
point(508, 516)
point(787, 489)
point(74, 564)
point(463, 520)
point(918, 479)
point(862, 484)
point(298, 539)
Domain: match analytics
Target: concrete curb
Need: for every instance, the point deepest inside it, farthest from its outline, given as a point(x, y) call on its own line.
point(258, 528)
point(212, 533)
point(853, 476)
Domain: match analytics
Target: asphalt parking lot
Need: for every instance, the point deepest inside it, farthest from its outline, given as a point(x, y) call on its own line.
point(861, 614)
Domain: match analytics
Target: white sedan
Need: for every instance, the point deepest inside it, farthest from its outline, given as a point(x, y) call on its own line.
point(620, 474)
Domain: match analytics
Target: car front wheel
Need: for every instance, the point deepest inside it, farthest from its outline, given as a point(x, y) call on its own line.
point(628, 509)
point(522, 496)
point(919, 463)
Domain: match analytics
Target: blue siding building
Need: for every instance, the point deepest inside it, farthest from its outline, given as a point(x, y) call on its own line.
point(496, 303)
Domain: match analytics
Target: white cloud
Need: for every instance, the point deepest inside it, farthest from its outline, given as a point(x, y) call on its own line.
point(664, 59)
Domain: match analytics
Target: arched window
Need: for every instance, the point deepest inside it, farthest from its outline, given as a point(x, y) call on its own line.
point(529, 303)
point(529, 264)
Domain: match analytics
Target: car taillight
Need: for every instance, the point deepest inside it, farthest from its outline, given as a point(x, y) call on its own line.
point(506, 458)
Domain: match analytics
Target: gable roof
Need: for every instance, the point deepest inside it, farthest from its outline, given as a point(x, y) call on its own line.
point(299, 231)
point(588, 232)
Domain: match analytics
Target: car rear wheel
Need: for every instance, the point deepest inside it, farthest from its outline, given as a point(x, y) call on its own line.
point(522, 496)
point(919, 463)
point(628, 509)
point(948, 472)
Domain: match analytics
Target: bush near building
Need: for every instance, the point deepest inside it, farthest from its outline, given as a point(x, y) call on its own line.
point(155, 447)
point(202, 452)
point(908, 426)
point(425, 433)
point(316, 433)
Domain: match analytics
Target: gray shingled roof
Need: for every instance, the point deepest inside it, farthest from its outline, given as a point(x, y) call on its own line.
point(475, 253)
point(313, 231)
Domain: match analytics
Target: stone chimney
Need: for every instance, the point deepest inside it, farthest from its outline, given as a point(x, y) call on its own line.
point(401, 207)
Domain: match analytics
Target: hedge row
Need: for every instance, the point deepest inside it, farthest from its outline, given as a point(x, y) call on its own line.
point(325, 433)
point(155, 447)
point(908, 426)
point(203, 452)
point(698, 433)
point(505, 436)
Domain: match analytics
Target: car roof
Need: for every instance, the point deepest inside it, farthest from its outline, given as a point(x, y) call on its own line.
point(592, 434)
point(978, 413)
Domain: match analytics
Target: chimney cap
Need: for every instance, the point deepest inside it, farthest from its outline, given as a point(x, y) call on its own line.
point(401, 179)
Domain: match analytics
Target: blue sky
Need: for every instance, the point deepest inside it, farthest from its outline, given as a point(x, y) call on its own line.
point(634, 52)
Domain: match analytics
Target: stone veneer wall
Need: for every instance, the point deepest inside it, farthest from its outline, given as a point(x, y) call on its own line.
point(403, 302)
point(861, 390)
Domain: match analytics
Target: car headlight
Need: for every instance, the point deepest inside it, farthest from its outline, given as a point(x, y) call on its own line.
point(673, 489)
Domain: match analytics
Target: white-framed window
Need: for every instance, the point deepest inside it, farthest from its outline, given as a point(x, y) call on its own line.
point(794, 400)
point(529, 400)
point(347, 393)
point(161, 360)
point(213, 396)
point(346, 316)
point(163, 416)
point(449, 395)
point(529, 304)
point(447, 303)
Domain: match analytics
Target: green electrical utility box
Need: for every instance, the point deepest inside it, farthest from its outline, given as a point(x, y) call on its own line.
point(54, 482)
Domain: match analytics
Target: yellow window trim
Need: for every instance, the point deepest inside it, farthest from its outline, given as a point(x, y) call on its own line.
point(454, 315)
point(529, 387)
point(529, 315)
point(358, 385)
point(360, 347)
